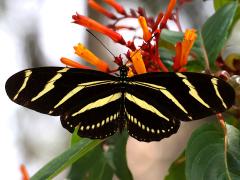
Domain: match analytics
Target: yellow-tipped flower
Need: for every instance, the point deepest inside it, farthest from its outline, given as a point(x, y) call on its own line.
point(130, 72)
point(183, 49)
point(190, 37)
point(88, 56)
point(146, 33)
point(138, 63)
point(231, 60)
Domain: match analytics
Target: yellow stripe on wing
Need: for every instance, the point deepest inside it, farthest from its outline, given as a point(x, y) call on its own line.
point(192, 90)
point(50, 84)
point(215, 85)
point(99, 103)
point(78, 89)
point(168, 94)
point(27, 76)
point(144, 105)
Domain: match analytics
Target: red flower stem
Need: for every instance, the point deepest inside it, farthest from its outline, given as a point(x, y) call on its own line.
point(157, 56)
point(223, 124)
point(161, 65)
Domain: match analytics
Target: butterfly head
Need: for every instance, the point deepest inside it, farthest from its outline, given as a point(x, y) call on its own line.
point(123, 71)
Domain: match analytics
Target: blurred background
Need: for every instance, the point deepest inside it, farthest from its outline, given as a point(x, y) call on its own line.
point(38, 33)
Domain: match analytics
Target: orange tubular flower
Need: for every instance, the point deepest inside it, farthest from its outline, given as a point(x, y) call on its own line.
point(116, 6)
point(146, 33)
point(177, 58)
point(94, 25)
point(168, 13)
point(24, 172)
point(138, 63)
point(183, 49)
point(71, 63)
point(100, 9)
point(87, 55)
point(130, 72)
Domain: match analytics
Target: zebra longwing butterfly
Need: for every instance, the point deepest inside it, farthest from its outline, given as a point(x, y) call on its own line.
point(149, 105)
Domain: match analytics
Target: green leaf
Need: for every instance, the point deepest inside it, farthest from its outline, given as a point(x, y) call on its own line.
point(58, 164)
point(92, 166)
point(216, 30)
point(205, 157)
point(177, 169)
point(75, 137)
point(116, 156)
point(102, 164)
point(220, 3)
point(232, 120)
point(167, 56)
point(171, 36)
point(195, 66)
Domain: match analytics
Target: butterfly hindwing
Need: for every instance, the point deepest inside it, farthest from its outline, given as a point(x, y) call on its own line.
point(98, 118)
point(145, 121)
point(54, 90)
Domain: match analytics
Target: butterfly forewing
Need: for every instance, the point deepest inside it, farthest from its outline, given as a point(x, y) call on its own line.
point(189, 96)
point(54, 90)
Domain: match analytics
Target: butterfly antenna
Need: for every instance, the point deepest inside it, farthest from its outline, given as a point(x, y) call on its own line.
point(100, 42)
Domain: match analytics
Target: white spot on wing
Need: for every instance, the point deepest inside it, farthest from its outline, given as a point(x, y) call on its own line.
point(103, 122)
point(98, 125)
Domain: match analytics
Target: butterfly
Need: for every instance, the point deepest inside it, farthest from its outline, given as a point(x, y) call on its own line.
point(150, 106)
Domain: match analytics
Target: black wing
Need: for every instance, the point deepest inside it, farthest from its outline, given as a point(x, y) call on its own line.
point(145, 121)
point(65, 91)
point(99, 118)
point(163, 99)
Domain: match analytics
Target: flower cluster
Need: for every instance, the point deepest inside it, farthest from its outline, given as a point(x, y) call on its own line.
point(143, 58)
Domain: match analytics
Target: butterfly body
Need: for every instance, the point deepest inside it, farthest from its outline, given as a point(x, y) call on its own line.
point(149, 105)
